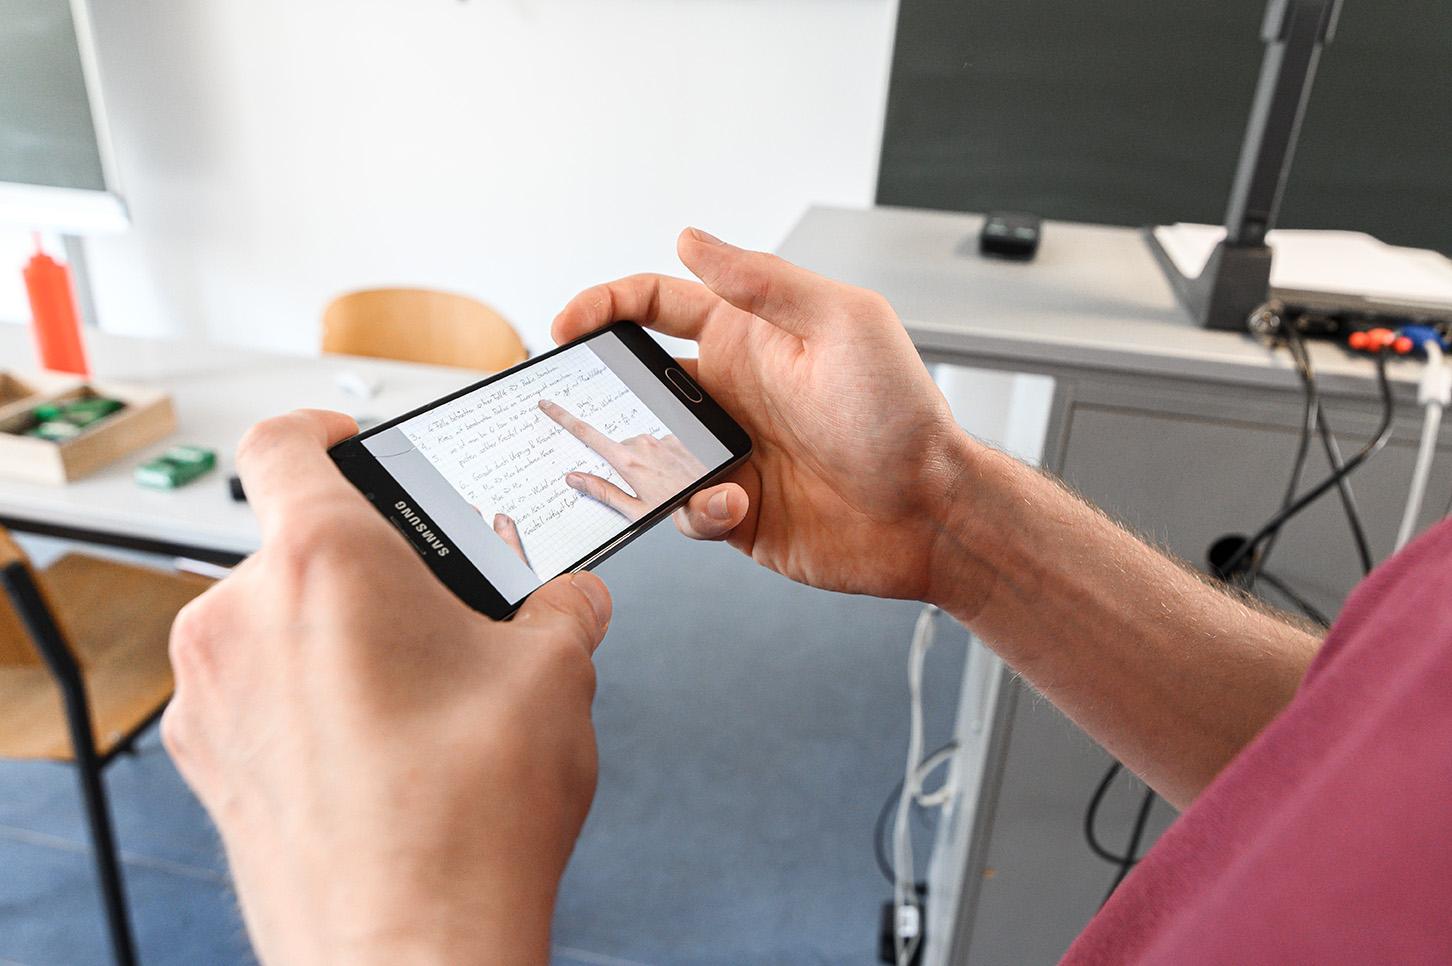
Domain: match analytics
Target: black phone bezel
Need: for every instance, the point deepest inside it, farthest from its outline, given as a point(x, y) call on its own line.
point(453, 568)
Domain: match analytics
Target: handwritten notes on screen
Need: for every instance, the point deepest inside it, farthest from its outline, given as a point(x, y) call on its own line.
point(503, 455)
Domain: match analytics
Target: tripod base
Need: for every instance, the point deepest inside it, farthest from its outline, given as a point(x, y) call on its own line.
point(1234, 283)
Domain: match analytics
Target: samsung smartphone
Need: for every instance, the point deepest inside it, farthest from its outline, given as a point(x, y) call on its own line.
point(476, 480)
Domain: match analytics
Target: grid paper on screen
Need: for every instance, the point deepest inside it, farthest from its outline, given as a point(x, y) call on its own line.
point(498, 450)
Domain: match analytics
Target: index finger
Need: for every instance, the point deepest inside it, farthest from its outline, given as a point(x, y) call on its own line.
point(284, 464)
point(671, 306)
point(771, 288)
point(587, 434)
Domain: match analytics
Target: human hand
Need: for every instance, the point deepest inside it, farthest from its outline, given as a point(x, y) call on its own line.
point(508, 532)
point(856, 459)
point(656, 469)
point(395, 777)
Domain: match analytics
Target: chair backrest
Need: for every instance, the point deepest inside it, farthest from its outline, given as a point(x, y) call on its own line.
point(421, 325)
point(15, 645)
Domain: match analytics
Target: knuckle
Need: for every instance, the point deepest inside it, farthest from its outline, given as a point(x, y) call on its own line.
point(175, 737)
point(582, 677)
point(873, 304)
point(190, 632)
point(759, 293)
point(260, 437)
point(185, 739)
point(570, 617)
point(561, 657)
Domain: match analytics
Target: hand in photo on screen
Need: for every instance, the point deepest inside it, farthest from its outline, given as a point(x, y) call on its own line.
point(656, 469)
point(509, 533)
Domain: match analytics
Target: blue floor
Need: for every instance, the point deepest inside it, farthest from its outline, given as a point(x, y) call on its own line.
point(749, 730)
point(50, 915)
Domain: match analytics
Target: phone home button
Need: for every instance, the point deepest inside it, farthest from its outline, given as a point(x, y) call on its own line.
point(683, 385)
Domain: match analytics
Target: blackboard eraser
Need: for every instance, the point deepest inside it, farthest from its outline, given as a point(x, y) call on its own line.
point(1010, 234)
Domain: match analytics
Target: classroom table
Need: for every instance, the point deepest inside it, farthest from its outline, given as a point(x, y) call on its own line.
point(218, 391)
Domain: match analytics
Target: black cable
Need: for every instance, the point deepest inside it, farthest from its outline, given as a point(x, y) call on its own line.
point(1348, 499)
point(1130, 857)
point(879, 850)
point(1131, 851)
point(1333, 457)
point(1316, 417)
point(1303, 448)
point(1370, 449)
point(1303, 605)
point(1092, 812)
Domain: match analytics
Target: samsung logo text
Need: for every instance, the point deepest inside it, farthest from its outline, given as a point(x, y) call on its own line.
point(429, 537)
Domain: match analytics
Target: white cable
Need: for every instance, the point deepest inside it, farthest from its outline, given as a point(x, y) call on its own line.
point(904, 888)
point(1434, 392)
point(940, 797)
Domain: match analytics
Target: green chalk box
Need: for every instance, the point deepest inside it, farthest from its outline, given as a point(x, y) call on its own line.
point(178, 466)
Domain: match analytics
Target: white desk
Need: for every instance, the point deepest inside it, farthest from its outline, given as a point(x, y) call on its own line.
point(1185, 433)
point(218, 392)
point(1093, 301)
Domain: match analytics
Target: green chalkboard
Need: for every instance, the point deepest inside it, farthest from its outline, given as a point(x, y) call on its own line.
point(1132, 112)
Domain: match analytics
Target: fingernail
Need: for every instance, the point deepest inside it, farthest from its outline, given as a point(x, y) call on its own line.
point(574, 479)
point(500, 522)
point(596, 593)
point(719, 507)
point(546, 405)
point(706, 236)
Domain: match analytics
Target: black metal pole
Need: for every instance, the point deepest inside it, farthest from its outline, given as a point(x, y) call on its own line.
point(1236, 278)
point(38, 620)
point(1294, 33)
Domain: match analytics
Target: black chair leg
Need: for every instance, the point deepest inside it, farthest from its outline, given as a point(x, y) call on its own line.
point(108, 866)
point(19, 584)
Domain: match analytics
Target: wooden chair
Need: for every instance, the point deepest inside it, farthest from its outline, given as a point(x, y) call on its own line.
point(421, 325)
point(83, 669)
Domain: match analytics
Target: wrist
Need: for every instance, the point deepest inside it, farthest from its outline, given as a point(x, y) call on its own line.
point(409, 918)
point(485, 945)
point(976, 526)
point(424, 940)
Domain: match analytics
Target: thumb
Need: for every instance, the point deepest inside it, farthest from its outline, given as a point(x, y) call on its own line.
point(771, 288)
point(578, 605)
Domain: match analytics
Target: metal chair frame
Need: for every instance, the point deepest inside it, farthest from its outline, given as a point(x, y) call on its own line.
point(26, 598)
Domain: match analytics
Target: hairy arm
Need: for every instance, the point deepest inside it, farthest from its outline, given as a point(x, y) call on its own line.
point(1171, 674)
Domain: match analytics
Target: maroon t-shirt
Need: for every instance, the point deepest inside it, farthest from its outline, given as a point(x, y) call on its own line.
point(1329, 838)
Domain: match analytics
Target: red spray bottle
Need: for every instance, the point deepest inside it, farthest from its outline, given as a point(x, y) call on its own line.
point(54, 319)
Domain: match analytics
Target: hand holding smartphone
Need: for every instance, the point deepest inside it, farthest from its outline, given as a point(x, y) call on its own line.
point(546, 468)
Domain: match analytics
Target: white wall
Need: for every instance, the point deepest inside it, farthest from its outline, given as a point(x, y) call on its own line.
point(277, 152)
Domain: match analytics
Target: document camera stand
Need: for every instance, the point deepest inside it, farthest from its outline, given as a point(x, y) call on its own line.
point(1236, 278)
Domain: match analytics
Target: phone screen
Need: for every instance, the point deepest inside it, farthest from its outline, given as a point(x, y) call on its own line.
point(493, 452)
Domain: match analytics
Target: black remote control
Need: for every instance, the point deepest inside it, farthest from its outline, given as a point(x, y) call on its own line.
point(1010, 234)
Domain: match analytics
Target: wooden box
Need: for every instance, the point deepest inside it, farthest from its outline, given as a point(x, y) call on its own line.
point(13, 389)
point(147, 416)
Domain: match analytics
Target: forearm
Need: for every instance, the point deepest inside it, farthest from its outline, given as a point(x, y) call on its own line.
point(1172, 675)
